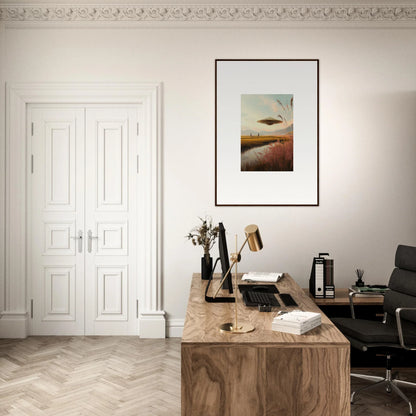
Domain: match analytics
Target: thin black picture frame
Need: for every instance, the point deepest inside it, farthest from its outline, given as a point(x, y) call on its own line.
point(217, 202)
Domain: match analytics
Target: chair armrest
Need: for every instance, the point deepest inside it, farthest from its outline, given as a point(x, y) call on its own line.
point(354, 293)
point(400, 329)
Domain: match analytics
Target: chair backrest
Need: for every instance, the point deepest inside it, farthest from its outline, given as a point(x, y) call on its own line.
point(402, 285)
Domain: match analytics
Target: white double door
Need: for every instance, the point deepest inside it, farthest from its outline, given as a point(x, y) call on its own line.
point(82, 219)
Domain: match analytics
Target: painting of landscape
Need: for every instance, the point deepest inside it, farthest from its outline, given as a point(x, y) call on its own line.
point(267, 132)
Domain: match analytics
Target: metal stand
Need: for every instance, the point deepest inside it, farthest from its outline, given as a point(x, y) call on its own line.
point(390, 383)
point(229, 327)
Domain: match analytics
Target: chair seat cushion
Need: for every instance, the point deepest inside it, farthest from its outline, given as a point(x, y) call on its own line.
point(367, 331)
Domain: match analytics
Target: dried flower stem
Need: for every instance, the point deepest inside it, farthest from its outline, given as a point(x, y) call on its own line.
point(204, 235)
point(359, 273)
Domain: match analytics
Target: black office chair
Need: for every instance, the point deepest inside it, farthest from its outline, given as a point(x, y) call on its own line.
point(397, 332)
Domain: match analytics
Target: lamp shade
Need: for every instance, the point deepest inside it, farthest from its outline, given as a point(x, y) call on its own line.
point(253, 237)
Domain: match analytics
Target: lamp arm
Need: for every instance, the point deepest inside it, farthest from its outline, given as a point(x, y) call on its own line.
point(230, 268)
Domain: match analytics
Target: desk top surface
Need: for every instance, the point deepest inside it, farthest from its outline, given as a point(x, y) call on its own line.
point(203, 319)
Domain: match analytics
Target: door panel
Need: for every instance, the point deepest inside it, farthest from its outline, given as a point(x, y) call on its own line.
point(59, 293)
point(111, 219)
point(56, 216)
point(112, 239)
point(111, 162)
point(60, 166)
point(58, 238)
point(112, 293)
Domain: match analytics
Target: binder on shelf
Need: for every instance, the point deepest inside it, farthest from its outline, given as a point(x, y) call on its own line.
point(321, 281)
point(329, 278)
point(316, 280)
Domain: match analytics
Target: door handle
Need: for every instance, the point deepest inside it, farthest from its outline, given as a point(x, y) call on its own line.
point(90, 237)
point(79, 238)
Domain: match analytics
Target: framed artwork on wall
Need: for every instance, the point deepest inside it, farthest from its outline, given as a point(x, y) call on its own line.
point(266, 132)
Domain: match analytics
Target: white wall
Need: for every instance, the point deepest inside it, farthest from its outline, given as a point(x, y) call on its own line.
point(367, 135)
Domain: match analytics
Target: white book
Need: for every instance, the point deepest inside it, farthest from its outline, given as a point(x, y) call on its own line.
point(310, 324)
point(296, 331)
point(262, 277)
point(296, 322)
point(297, 316)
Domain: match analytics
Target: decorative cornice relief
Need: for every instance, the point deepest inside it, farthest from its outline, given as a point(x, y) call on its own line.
point(206, 13)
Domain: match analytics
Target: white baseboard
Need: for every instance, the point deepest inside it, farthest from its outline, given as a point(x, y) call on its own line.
point(152, 324)
point(175, 328)
point(13, 325)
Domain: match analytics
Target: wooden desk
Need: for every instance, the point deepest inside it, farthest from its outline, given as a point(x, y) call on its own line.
point(263, 372)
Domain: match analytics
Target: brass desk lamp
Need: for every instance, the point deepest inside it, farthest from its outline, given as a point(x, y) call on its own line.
point(255, 244)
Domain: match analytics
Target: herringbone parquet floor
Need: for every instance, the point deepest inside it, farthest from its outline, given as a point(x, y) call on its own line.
point(118, 376)
point(83, 376)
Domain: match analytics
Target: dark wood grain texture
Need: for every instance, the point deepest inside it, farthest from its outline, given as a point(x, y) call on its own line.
point(264, 372)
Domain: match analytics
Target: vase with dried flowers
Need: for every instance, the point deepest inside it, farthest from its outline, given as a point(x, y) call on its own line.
point(204, 235)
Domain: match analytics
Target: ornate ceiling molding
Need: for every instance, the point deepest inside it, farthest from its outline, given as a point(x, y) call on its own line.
point(206, 13)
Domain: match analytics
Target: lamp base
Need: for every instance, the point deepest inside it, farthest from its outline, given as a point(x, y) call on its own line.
point(241, 329)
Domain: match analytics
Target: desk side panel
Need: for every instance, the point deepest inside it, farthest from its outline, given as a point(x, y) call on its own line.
point(246, 380)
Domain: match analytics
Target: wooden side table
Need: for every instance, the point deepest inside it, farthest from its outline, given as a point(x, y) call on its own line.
point(341, 298)
point(366, 307)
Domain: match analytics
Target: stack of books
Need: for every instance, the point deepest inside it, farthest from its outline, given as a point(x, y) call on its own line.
point(369, 289)
point(262, 277)
point(296, 322)
point(366, 290)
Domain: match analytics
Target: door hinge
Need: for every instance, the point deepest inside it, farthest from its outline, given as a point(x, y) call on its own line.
point(137, 308)
point(137, 163)
point(31, 308)
point(137, 132)
point(31, 163)
point(32, 129)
